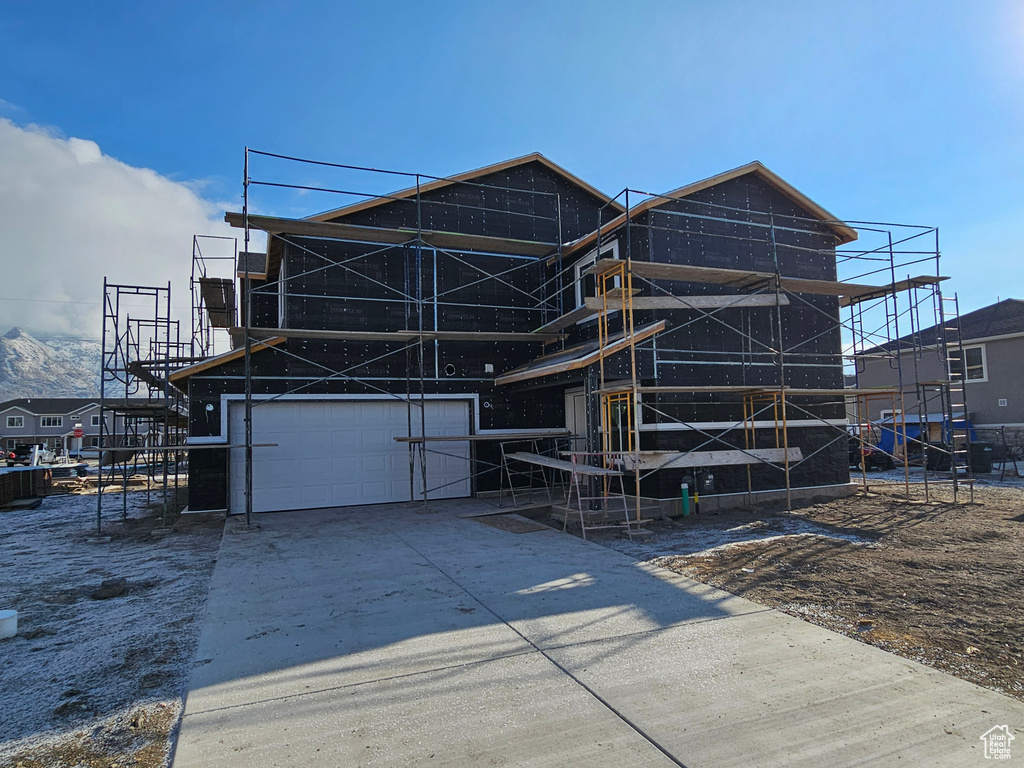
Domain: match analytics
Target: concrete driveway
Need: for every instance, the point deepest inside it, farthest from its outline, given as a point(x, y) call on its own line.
point(380, 636)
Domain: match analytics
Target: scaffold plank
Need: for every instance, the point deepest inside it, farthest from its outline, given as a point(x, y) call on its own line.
point(569, 318)
point(219, 299)
point(697, 302)
point(742, 389)
point(507, 437)
point(678, 460)
point(457, 241)
point(751, 279)
point(567, 466)
point(577, 357)
point(405, 335)
point(921, 281)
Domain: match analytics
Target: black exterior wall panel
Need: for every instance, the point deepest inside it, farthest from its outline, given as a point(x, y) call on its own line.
point(208, 480)
point(518, 203)
point(303, 365)
point(827, 467)
point(338, 285)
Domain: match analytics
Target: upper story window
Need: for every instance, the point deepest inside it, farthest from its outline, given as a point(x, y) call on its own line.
point(586, 285)
point(51, 421)
point(968, 363)
point(94, 420)
point(15, 422)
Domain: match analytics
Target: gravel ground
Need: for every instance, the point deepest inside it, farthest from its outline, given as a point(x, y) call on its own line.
point(97, 677)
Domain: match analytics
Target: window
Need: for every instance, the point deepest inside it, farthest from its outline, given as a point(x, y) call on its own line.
point(15, 422)
point(974, 357)
point(51, 421)
point(621, 414)
point(586, 285)
point(94, 421)
point(11, 442)
point(92, 442)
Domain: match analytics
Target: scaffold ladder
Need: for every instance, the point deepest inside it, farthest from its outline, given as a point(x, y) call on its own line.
point(959, 433)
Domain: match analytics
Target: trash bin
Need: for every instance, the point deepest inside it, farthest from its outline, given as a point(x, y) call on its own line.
point(981, 458)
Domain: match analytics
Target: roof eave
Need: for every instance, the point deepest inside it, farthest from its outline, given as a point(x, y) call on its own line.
point(467, 176)
point(844, 233)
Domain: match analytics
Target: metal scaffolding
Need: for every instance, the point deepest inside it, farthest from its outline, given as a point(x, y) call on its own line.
point(886, 284)
point(213, 295)
point(143, 419)
point(874, 330)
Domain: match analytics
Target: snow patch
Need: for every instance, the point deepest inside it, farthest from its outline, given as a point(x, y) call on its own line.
point(77, 661)
point(696, 537)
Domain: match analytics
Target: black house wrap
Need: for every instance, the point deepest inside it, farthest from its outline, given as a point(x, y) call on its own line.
point(370, 294)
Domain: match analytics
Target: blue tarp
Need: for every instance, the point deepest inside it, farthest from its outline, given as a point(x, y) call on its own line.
point(890, 439)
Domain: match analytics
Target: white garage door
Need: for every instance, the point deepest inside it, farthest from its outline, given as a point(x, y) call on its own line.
point(342, 452)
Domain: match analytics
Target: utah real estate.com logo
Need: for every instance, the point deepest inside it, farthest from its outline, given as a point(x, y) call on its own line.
point(997, 742)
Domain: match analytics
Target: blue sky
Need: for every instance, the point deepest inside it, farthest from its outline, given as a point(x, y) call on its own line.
point(895, 111)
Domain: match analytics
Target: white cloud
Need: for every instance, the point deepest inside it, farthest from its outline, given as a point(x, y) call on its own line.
point(70, 215)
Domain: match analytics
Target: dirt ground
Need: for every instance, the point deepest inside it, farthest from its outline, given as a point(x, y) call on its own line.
point(938, 583)
point(106, 631)
point(100, 682)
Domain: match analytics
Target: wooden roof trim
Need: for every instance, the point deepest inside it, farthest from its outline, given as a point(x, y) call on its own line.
point(227, 357)
point(845, 233)
point(849, 293)
point(336, 230)
point(398, 336)
point(538, 368)
point(467, 176)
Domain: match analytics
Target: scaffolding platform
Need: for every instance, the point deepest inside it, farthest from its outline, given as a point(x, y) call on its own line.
point(502, 437)
point(219, 298)
point(849, 293)
point(391, 236)
point(647, 461)
point(397, 336)
point(580, 356)
point(561, 464)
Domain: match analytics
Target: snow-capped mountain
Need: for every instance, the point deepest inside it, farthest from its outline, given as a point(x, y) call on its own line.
point(56, 367)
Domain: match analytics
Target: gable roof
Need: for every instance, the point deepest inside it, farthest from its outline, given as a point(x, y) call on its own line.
point(999, 319)
point(49, 405)
point(1003, 318)
point(844, 233)
point(467, 176)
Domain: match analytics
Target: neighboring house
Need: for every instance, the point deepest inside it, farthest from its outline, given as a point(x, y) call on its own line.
point(991, 365)
point(357, 320)
point(50, 421)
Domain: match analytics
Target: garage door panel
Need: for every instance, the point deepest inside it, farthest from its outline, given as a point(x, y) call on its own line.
point(345, 466)
point(311, 414)
point(318, 440)
point(318, 466)
point(316, 495)
point(374, 439)
point(339, 453)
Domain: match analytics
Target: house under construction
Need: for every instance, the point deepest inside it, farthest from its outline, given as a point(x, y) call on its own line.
point(515, 325)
